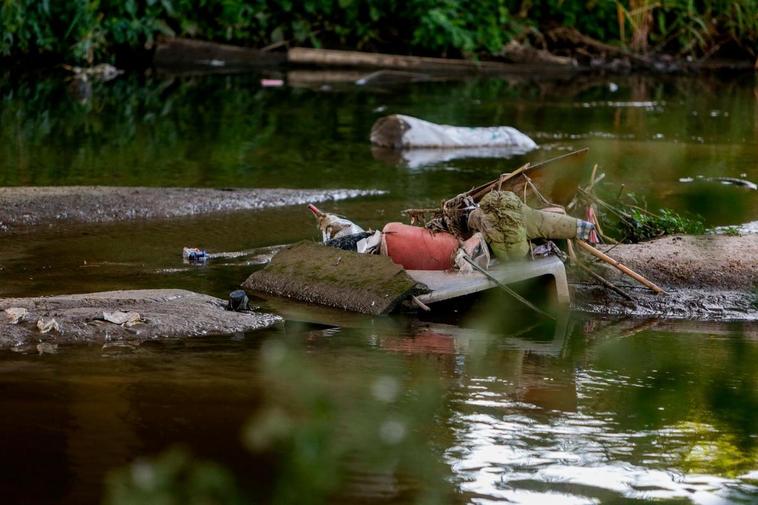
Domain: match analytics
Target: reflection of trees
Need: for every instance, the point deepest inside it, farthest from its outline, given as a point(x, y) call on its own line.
point(671, 392)
point(366, 412)
point(131, 130)
point(225, 130)
point(705, 389)
point(218, 128)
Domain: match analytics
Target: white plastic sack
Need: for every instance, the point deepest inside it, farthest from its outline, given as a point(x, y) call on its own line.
point(400, 131)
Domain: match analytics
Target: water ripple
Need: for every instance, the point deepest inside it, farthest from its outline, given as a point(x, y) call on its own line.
point(510, 450)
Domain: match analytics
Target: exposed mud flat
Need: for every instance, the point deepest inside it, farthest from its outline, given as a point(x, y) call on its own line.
point(687, 261)
point(163, 313)
point(712, 277)
point(21, 207)
point(676, 303)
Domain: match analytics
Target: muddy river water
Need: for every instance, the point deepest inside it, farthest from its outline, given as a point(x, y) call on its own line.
point(472, 404)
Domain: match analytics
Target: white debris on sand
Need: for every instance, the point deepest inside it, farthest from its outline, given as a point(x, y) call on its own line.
point(16, 314)
point(48, 326)
point(121, 317)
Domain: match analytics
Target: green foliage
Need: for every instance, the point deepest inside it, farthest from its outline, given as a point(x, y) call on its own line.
point(731, 231)
point(696, 27)
point(173, 478)
point(596, 18)
point(638, 224)
point(89, 30)
point(467, 27)
point(322, 431)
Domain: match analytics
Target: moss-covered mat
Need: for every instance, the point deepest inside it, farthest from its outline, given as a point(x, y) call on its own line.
point(313, 273)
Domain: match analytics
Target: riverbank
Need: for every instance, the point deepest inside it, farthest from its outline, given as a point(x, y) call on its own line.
point(543, 31)
point(25, 207)
point(696, 262)
point(712, 277)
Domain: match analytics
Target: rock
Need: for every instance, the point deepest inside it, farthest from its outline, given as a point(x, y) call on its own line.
point(692, 262)
point(172, 313)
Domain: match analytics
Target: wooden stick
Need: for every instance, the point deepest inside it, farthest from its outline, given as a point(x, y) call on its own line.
point(485, 188)
point(420, 211)
point(597, 180)
point(628, 271)
point(421, 304)
point(572, 253)
point(602, 280)
point(592, 177)
point(499, 182)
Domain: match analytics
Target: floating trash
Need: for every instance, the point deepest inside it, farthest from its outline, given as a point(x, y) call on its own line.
point(238, 301)
point(194, 255)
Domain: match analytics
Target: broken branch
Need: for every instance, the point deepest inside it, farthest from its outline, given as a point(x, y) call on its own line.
point(623, 268)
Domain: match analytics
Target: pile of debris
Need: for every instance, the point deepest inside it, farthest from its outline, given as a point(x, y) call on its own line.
point(484, 234)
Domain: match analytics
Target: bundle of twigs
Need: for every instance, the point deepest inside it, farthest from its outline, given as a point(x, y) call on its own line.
point(587, 196)
point(453, 214)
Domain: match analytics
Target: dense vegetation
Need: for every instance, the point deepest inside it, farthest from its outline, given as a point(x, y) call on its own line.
point(98, 30)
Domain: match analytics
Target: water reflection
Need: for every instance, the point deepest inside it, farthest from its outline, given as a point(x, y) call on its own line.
point(586, 412)
point(630, 417)
point(420, 157)
point(583, 412)
point(229, 131)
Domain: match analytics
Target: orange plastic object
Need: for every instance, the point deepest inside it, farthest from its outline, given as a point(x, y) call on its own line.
point(417, 248)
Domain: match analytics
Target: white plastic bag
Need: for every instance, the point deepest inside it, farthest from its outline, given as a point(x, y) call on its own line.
point(400, 131)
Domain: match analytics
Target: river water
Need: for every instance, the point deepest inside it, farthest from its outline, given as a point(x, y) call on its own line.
point(473, 404)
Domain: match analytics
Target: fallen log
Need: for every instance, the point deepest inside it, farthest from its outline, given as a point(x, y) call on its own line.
point(181, 52)
point(575, 38)
point(333, 57)
point(517, 52)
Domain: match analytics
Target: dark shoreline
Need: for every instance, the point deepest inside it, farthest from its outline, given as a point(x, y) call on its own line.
point(180, 55)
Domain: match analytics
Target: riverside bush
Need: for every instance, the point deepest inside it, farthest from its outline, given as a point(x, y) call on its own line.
point(96, 30)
